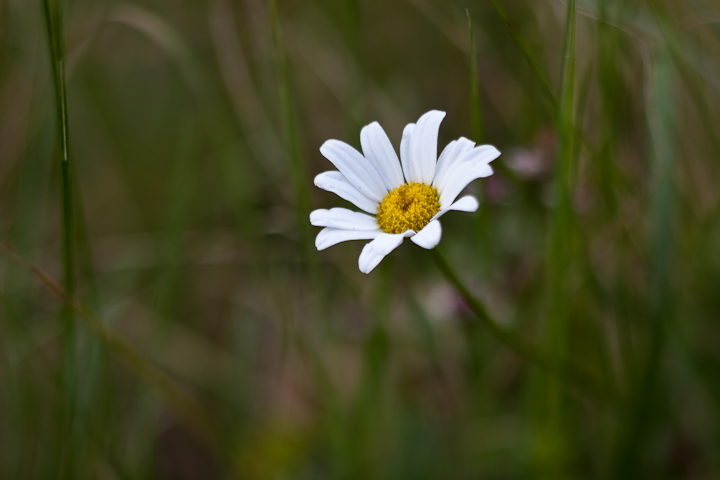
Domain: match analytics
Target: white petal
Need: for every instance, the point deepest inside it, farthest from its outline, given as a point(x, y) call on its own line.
point(467, 203)
point(405, 149)
point(459, 178)
point(336, 183)
point(480, 155)
point(373, 253)
point(332, 236)
point(448, 148)
point(342, 218)
point(380, 153)
point(423, 147)
point(355, 168)
point(449, 157)
point(447, 152)
point(429, 236)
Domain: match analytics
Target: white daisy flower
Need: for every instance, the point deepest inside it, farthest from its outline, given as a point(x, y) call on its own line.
point(402, 201)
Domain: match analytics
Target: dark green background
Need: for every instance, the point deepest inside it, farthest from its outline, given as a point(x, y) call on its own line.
point(194, 140)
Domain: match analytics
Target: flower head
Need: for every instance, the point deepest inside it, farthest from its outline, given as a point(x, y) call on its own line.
point(405, 197)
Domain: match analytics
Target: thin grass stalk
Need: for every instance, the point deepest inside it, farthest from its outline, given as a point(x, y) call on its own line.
point(263, 140)
point(56, 47)
point(367, 408)
point(475, 106)
point(608, 79)
point(179, 205)
point(482, 221)
point(290, 124)
point(288, 117)
point(611, 116)
point(596, 342)
point(552, 444)
point(355, 89)
point(302, 208)
point(135, 361)
point(312, 279)
point(94, 434)
point(662, 131)
point(644, 398)
point(525, 50)
point(262, 144)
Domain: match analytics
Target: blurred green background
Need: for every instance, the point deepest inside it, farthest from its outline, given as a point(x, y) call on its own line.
point(222, 345)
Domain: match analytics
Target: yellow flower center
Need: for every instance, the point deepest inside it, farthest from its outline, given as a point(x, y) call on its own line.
point(408, 207)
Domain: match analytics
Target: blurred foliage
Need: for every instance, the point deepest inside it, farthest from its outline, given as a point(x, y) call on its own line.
point(229, 348)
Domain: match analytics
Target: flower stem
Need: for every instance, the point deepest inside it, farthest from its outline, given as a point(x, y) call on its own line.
point(506, 337)
point(583, 380)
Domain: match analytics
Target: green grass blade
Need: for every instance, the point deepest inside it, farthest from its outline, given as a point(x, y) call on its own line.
point(145, 370)
point(475, 106)
point(291, 130)
point(526, 52)
point(637, 422)
point(260, 142)
point(482, 221)
point(179, 206)
point(56, 47)
point(356, 105)
point(551, 449)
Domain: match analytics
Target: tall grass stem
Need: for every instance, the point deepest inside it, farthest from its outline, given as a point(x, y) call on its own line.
point(56, 48)
point(290, 124)
point(475, 105)
point(551, 447)
point(526, 52)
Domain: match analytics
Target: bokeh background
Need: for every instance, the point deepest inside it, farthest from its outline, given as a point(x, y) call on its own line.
point(215, 342)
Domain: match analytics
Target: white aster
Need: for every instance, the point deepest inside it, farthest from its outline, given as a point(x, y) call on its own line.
point(415, 190)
